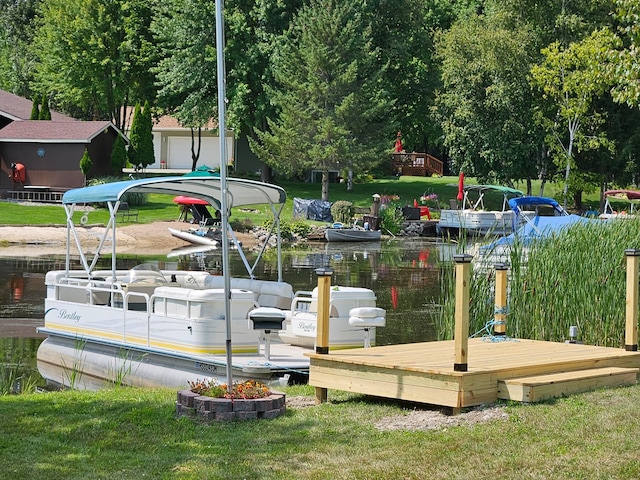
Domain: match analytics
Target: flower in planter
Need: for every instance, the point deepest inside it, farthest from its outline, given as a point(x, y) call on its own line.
point(242, 390)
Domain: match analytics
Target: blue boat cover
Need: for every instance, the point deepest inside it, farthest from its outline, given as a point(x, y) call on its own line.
point(206, 187)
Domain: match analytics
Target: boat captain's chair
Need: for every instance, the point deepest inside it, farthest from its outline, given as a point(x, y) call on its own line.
point(367, 318)
point(267, 319)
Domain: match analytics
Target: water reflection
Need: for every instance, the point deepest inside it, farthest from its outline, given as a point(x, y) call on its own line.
point(403, 273)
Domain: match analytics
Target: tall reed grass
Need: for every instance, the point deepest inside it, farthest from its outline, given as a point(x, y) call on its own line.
point(577, 277)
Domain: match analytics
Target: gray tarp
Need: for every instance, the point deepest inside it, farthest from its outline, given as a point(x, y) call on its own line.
point(312, 209)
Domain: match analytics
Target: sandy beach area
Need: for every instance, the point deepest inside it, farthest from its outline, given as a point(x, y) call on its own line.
point(151, 238)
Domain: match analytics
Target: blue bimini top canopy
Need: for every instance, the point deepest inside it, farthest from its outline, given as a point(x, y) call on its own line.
point(240, 191)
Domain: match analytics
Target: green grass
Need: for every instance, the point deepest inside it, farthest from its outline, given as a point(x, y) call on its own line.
point(162, 208)
point(134, 434)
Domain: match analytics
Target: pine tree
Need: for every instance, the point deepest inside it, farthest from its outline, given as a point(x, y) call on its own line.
point(332, 109)
point(35, 110)
point(145, 151)
point(85, 164)
point(135, 138)
point(118, 155)
point(45, 113)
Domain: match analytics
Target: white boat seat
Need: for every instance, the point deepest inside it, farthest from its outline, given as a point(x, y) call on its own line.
point(267, 318)
point(367, 317)
point(267, 293)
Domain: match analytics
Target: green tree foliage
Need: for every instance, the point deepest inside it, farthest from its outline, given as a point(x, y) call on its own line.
point(403, 32)
point(570, 82)
point(146, 156)
point(118, 155)
point(330, 97)
point(185, 38)
point(35, 110)
point(16, 33)
point(45, 113)
point(85, 164)
point(623, 62)
point(486, 104)
point(94, 56)
point(136, 138)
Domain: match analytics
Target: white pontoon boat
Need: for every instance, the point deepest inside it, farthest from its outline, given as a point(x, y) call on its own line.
point(473, 218)
point(151, 327)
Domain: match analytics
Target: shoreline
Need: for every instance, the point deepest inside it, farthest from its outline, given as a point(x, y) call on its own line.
point(148, 238)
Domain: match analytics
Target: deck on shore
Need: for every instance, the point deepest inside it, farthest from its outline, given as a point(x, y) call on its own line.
point(520, 370)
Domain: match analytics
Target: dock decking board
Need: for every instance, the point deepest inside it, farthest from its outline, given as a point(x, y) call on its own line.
point(423, 372)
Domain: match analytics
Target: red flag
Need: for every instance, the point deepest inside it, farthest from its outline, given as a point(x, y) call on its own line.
point(461, 187)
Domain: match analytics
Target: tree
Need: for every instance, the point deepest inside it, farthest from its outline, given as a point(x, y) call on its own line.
point(330, 100)
point(136, 136)
point(45, 113)
point(94, 56)
point(623, 62)
point(570, 84)
point(35, 110)
point(146, 156)
point(186, 71)
point(486, 104)
point(118, 155)
point(17, 62)
point(85, 164)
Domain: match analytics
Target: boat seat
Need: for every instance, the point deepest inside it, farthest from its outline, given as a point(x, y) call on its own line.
point(267, 293)
point(266, 319)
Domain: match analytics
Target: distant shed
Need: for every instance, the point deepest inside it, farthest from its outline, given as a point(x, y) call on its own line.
point(51, 151)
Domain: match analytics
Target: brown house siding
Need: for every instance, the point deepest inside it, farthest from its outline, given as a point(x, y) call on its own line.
point(59, 167)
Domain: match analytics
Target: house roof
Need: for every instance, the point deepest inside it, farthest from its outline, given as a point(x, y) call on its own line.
point(49, 131)
point(165, 122)
point(14, 107)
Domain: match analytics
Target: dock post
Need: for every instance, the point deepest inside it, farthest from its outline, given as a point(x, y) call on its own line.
point(500, 309)
point(322, 326)
point(631, 327)
point(461, 330)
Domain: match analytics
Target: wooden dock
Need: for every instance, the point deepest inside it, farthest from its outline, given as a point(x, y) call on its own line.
point(465, 372)
point(521, 370)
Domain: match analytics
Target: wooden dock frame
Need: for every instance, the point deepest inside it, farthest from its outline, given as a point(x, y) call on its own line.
point(467, 372)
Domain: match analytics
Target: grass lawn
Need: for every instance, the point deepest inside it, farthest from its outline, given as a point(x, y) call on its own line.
point(133, 434)
point(161, 207)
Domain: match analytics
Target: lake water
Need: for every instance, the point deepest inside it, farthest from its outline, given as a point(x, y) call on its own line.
point(403, 273)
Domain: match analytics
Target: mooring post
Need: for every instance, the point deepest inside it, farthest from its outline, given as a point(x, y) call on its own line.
point(631, 327)
point(322, 325)
point(500, 309)
point(461, 330)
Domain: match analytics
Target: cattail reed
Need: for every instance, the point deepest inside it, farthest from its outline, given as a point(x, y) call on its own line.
point(576, 277)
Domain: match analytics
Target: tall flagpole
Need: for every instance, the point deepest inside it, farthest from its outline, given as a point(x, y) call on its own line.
point(222, 129)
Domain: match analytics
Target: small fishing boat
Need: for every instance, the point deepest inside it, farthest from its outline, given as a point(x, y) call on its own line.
point(632, 197)
point(473, 218)
point(339, 233)
point(150, 327)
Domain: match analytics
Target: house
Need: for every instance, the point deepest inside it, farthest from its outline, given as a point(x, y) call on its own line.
point(48, 151)
point(172, 147)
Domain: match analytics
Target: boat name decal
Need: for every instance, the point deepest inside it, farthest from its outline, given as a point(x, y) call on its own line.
point(69, 316)
point(206, 367)
point(306, 327)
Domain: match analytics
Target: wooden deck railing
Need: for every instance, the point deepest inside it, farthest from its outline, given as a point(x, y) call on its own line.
point(417, 164)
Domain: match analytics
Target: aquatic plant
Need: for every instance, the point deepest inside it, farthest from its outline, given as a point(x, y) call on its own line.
point(576, 278)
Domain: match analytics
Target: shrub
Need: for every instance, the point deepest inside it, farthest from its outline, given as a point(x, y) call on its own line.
point(391, 219)
point(342, 211)
point(244, 390)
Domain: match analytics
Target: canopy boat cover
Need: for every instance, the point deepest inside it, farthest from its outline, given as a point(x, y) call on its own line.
point(198, 185)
